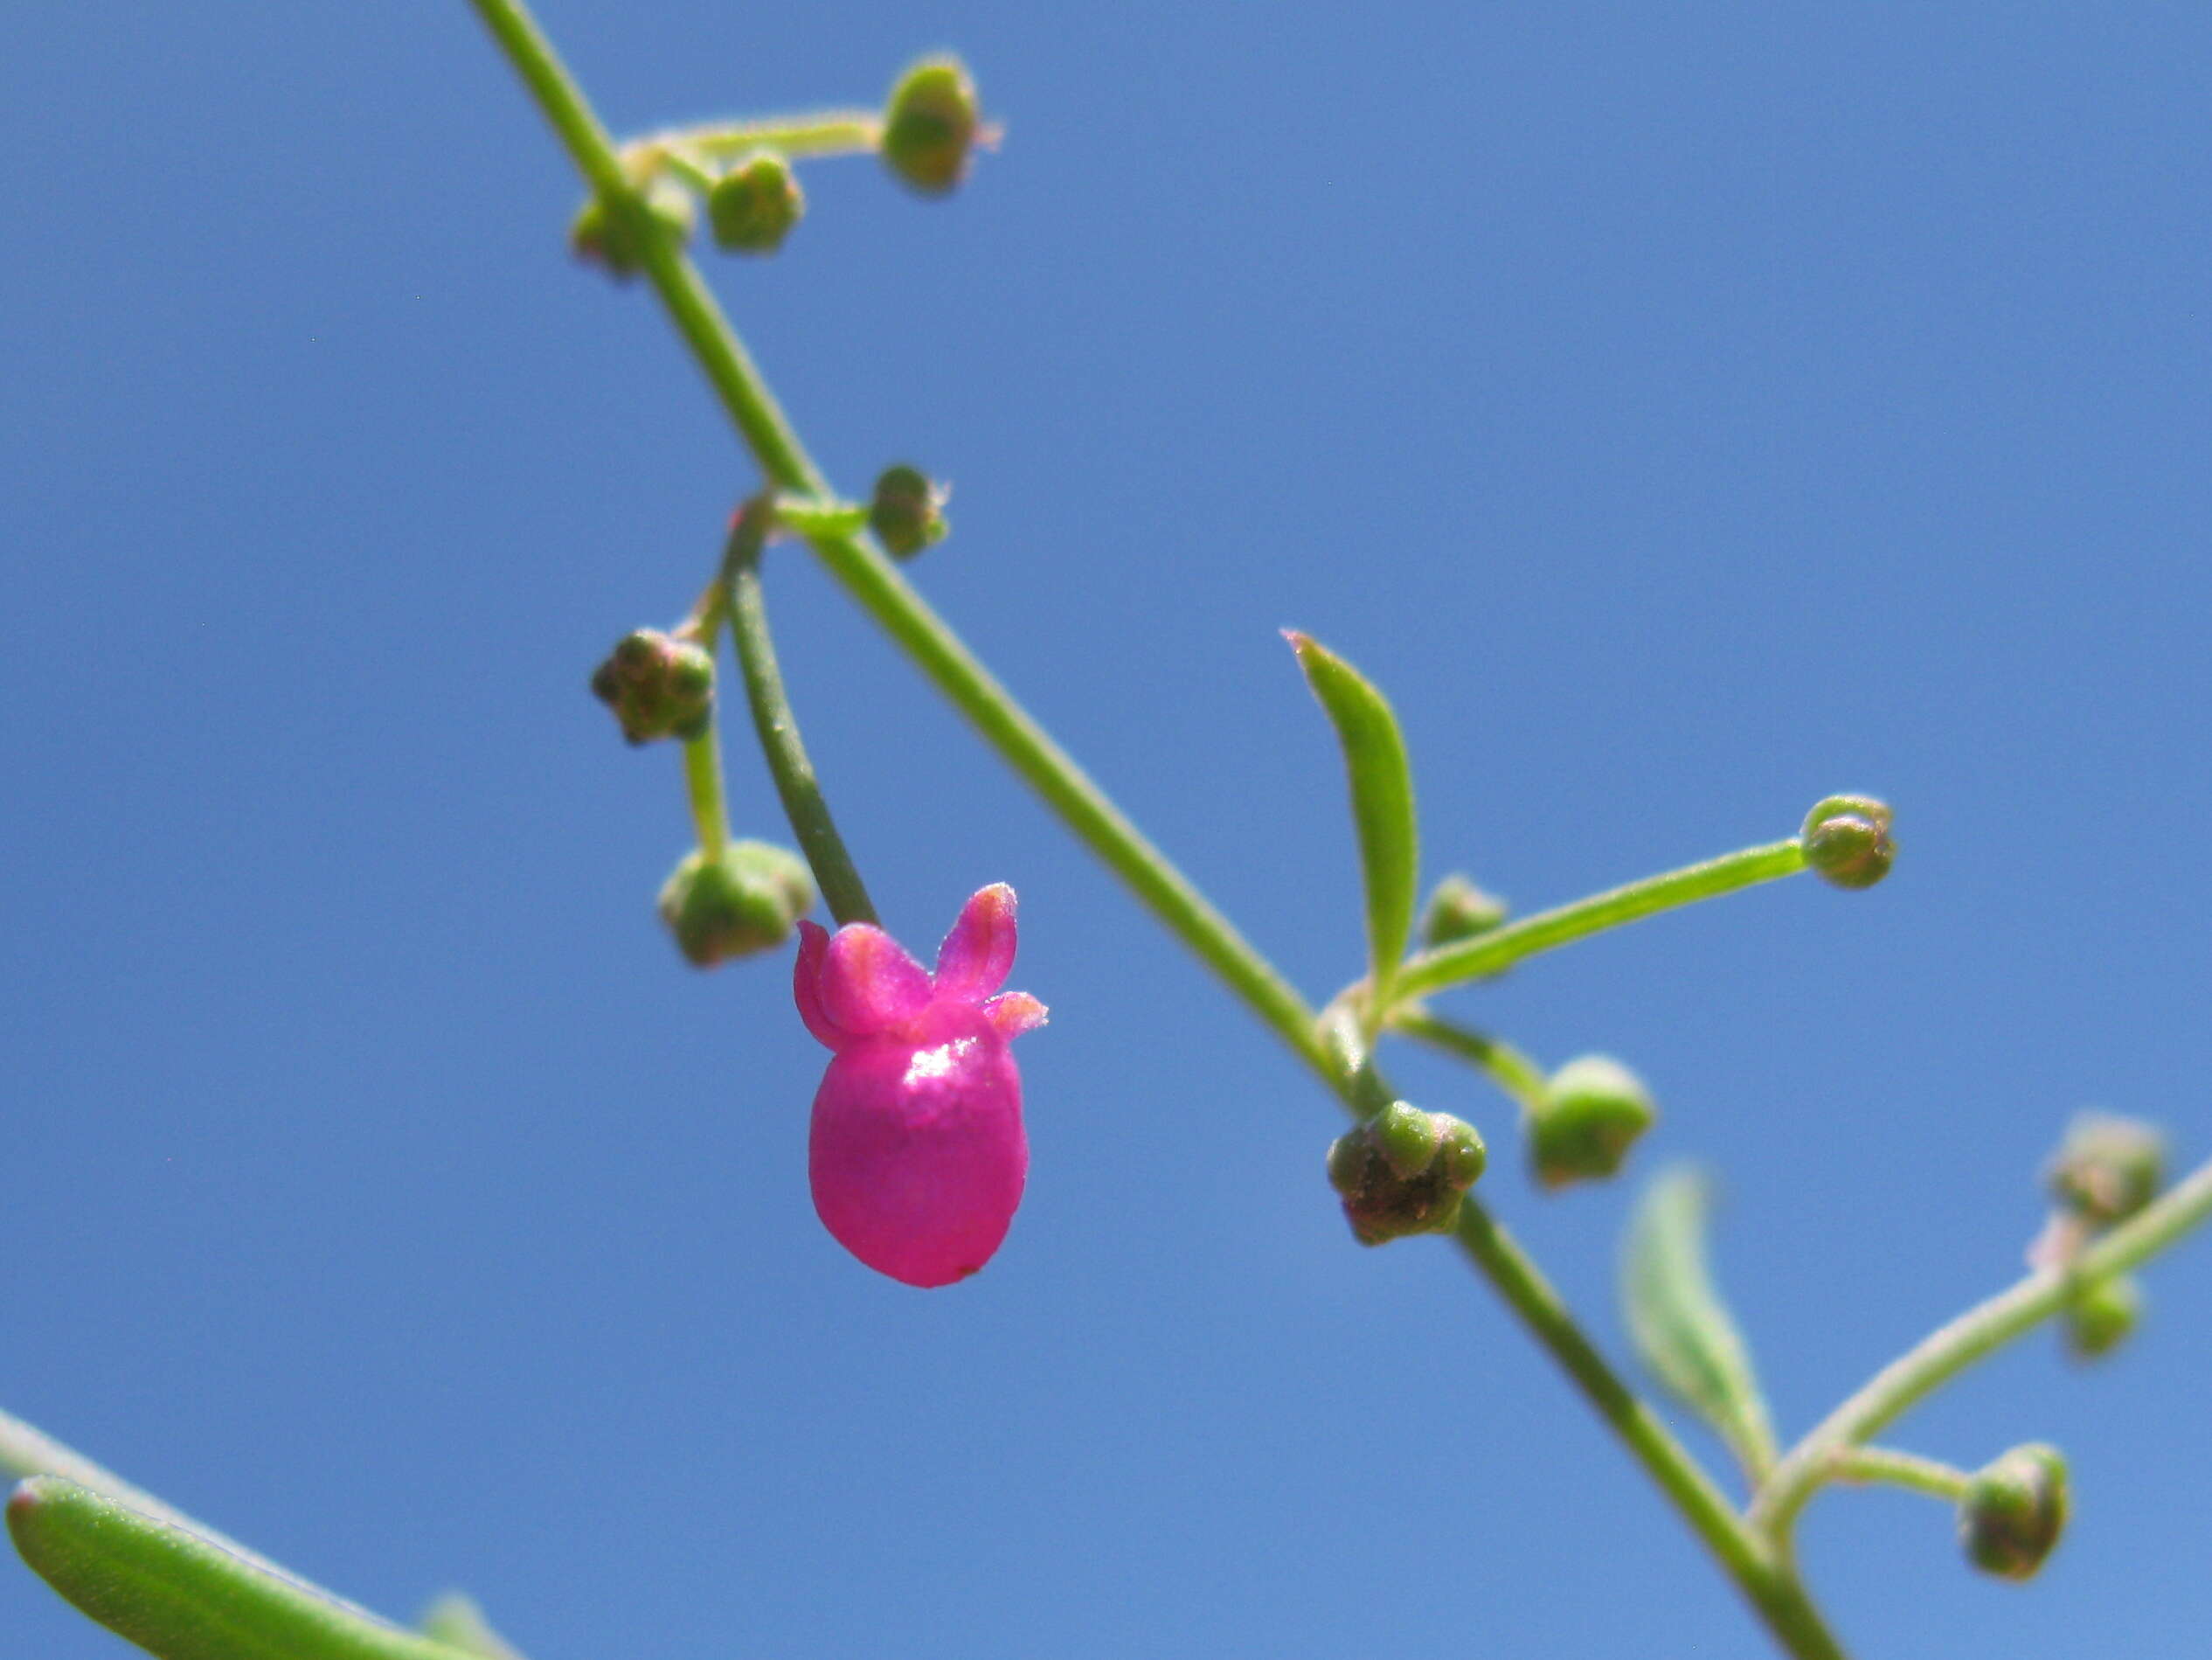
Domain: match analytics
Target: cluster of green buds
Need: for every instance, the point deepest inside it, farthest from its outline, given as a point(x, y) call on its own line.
point(2108, 1168)
point(746, 901)
point(1405, 1171)
point(927, 134)
point(658, 684)
point(1591, 1112)
point(2013, 1510)
point(1847, 842)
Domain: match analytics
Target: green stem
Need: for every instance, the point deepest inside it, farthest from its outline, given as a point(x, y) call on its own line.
point(829, 132)
point(880, 590)
point(870, 578)
point(1771, 1587)
point(1501, 947)
point(702, 780)
point(778, 728)
point(1512, 1071)
point(1973, 1335)
point(1910, 1470)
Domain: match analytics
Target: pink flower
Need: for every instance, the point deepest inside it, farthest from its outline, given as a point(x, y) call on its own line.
point(917, 1154)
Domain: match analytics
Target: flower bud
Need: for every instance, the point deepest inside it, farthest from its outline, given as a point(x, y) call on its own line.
point(2101, 1318)
point(2109, 1168)
point(1847, 840)
point(2013, 1510)
point(753, 207)
point(1458, 910)
point(601, 236)
point(907, 511)
point(732, 906)
point(1594, 1110)
point(1404, 1170)
point(658, 686)
point(930, 125)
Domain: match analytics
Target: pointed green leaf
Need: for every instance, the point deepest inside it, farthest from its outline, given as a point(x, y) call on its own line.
point(457, 1622)
point(1681, 1328)
point(179, 1597)
point(1382, 782)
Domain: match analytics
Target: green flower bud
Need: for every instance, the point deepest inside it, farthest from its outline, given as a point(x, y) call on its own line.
point(1847, 842)
point(658, 686)
point(931, 124)
point(1594, 1110)
point(2013, 1510)
point(2100, 1319)
point(1458, 910)
point(2109, 1168)
point(753, 207)
point(907, 511)
point(732, 906)
point(1403, 1171)
point(598, 235)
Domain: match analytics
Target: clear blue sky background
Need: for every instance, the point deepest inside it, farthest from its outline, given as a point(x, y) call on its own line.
point(1683, 411)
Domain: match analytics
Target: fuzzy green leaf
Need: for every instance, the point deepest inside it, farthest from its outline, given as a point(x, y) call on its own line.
point(1381, 785)
point(180, 1597)
point(1682, 1330)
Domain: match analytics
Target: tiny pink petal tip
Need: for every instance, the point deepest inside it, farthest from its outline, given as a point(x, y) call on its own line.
point(917, 1152)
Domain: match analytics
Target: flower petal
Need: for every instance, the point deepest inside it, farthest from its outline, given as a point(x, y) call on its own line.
point(1014, 1013)
point(916, 1155)
point(978, 953)
point(806, 984)
point(867, 982)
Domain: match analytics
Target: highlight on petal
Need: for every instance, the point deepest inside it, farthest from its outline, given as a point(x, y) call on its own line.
point(1014, 1013)
point(806, 984)
point(978, 953)
point(867, 982)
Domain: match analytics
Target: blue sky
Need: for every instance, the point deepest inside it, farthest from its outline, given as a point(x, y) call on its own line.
point(1681, 413)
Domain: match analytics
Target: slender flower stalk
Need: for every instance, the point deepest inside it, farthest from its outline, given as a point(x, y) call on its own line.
point(745, 606)
point(703, 783)
point(1862, 1465)
point(828, 132)
point(1501, 947)
point(1512, 1071)
point(1973, 1335)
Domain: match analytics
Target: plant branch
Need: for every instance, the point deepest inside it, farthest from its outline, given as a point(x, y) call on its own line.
point(778, 728)
point(1861, 1465)
point(1512, 1071)
point(879, 589)
point(1973, 1335)
point(1501, 947)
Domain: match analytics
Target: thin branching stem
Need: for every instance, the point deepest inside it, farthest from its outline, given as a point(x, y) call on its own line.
point(1973, 1335)
point(869, 577)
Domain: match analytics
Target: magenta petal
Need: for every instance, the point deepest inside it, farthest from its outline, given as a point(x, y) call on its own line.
point(1013, 1012)
point(978, 953)
point(867, 983)
point(806, 984)
point(917, 1154)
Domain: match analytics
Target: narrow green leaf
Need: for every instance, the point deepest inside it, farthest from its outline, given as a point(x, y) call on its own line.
point(457, 1622)
point(1681, 1328)
point(178, 1596)
point(1382, 783)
